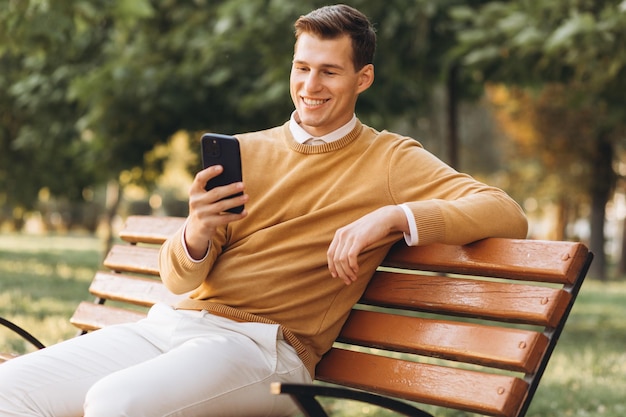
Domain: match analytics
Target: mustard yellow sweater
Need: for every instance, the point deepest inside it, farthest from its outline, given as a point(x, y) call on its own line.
point(271, 266)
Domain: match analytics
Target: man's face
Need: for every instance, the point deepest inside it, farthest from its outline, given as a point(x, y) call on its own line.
point(324, 84)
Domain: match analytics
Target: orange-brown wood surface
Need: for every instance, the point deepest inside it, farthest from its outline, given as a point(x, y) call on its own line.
point(536, 260)
point(6, 356)
point(498, 347)
point(497, 395)
point(89, 316)
point(155, 230)
point(132, 289)
point(474, 298)
point(129, 258)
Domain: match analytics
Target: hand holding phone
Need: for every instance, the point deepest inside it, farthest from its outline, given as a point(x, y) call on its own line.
point(222, 150)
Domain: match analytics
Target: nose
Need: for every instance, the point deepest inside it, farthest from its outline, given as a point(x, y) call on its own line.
point(312, 82)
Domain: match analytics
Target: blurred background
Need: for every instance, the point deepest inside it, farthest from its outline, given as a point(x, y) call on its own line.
point(102, 104)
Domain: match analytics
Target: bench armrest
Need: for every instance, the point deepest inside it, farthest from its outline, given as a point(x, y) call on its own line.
point(304, 396)
point(23, 333)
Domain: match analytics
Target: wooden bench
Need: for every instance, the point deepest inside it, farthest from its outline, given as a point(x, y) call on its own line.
point(463, 327)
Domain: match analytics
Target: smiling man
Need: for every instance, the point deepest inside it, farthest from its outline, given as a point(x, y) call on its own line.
point(326, 81)
point(326, 197)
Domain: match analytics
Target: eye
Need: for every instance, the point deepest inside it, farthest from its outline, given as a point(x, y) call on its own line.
point(300, 68)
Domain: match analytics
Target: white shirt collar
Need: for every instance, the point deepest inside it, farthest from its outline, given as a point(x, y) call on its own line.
point(301, 135)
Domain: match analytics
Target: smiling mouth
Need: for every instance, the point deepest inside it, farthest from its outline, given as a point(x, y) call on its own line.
point(314, 102)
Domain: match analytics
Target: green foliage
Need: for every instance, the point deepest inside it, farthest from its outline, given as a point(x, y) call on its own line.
point(88, 87)
point(42, 49)
point(527, 41)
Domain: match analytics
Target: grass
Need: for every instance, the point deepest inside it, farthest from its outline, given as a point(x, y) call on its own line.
point(42, 279)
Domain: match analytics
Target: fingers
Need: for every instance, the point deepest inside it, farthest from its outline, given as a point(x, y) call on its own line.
point(351, 240)
point(342, 257)
point(216, 200)
point(205, 175)
point(222, 199)
point(208, 209)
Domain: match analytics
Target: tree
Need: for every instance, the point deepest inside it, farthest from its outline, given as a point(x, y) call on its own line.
point(38, 136)
point(116, 78)
point(580, 44)
point(416, 45)
point(548, 146)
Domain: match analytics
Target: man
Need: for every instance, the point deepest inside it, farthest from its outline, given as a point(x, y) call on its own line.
point(272, 286)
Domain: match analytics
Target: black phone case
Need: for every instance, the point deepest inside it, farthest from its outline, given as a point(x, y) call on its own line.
point(222, 150)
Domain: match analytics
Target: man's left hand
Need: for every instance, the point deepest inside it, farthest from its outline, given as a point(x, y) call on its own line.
point(349, 241)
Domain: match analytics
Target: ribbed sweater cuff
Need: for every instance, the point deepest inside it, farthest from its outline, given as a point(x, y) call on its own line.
point(429, 222)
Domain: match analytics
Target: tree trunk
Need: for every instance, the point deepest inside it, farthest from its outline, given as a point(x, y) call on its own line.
point(453, 117)
point(560, 228)
point(113, 199)
point(603, 181)
point(621, 269)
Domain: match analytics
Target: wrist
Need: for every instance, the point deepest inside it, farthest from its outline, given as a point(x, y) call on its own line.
point(196, 248)
point(397, 219)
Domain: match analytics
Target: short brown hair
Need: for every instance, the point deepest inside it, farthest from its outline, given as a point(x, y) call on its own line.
point(331, 22)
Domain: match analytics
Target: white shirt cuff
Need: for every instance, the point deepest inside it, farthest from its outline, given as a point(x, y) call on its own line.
point(411, 238)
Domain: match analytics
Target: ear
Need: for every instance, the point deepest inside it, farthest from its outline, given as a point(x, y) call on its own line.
point(366, 77)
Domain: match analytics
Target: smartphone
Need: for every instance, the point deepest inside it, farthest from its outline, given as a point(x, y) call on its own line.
point(222, 150)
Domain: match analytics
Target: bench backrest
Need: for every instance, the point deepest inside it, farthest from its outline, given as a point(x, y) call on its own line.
point(466, 327)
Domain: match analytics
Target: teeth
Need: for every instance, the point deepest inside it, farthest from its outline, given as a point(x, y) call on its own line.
point(311, 102)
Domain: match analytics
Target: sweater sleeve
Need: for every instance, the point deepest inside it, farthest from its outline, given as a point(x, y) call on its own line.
point(179, 272)
point(448, 206)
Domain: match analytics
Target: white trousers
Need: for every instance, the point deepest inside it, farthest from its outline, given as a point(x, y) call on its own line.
point(173, 363)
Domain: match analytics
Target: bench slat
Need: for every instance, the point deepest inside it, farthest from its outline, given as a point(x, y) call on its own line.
point(89, 316)
point(155, 230)
point(515, 350)
point(7, 356)
point(517, 303)
point(132, 289)
point(130, 258)
point(497, 395)
point(534, 260)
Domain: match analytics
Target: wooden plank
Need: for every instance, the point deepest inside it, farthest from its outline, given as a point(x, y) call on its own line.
point(534, 260)
point(516, 303)
point(4, 356)
point(489, 394)
point(150, 229)
point(89, 316)
point(130, 258)
point(504, 348)
point(132, 289)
